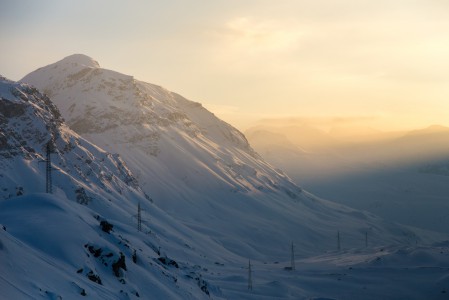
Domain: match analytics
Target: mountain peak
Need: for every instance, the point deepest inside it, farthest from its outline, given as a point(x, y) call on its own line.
point(80, 59)
point(433, 129)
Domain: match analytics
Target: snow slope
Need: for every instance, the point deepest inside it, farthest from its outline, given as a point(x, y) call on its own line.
point(48, 258)
point(63, 235)
point(44, 257)
point(197, 168)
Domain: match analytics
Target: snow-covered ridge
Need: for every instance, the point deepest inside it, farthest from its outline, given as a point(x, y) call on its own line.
point(147, 123)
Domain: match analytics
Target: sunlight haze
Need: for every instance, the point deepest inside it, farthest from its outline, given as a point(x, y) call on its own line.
point(385, 61)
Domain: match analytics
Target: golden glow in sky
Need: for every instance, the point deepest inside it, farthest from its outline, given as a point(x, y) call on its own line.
point(386, 62)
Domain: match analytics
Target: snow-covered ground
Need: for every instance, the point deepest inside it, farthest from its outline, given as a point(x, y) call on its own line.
point(377, 273)
point(44, 256)
point(48, 250)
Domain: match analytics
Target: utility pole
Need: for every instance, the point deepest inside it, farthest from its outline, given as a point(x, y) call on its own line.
point(139, 217)
point(250, 279)
point(293, 257)
point(338, 241)
point(48, 169)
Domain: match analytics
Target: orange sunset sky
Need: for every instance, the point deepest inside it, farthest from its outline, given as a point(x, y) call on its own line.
point(380, 63)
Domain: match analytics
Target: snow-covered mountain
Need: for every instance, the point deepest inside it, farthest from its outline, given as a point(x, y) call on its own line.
point(30, 121)
point(84, 237)
point(167, 140)
point(196, 167)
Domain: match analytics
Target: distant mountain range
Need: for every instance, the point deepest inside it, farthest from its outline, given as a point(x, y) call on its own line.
point(396, 175)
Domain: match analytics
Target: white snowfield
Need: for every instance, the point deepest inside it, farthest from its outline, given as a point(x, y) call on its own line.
point(50, 245)
point(215, 204)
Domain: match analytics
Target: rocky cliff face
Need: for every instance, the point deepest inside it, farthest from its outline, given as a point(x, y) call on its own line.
point(28, 122)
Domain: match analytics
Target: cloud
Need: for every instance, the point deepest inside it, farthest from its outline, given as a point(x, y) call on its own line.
point(253, 35)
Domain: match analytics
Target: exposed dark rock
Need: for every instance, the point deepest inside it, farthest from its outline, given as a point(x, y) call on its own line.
point(3, 142)
point(204, 289)
point(134, 256)
point(119, 264)
point(94, 277)
point(106, 226)
point(10, 109)
point(94, 252)
point(168, 262)
point(81, 196)
point(19, 191)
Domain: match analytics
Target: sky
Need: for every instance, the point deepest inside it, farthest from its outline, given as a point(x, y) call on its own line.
point(382, 63)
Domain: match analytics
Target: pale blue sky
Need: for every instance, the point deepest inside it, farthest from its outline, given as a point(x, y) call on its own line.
point(386, 61)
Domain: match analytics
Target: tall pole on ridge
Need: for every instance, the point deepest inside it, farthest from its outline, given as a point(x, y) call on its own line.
point(293, 257)
point(250, 279)
point(338, 241)
point(139, 217)
point(48, 168)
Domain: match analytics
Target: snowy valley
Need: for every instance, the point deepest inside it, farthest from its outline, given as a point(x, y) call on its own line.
point(399, 176)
